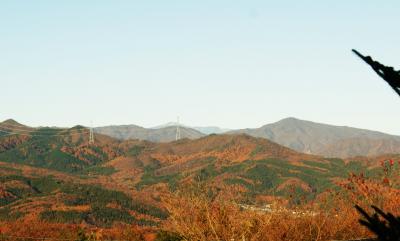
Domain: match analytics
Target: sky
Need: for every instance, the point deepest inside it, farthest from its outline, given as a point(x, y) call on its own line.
point(233, 64)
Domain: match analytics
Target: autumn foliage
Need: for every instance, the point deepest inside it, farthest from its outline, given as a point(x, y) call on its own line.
point(37, 230)
point(199, 213)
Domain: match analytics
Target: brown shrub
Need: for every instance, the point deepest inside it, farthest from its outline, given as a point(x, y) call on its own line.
point(199, 213)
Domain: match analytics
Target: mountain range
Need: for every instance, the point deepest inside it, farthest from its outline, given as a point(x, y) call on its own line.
point(207, 130)
point(55, 175)
point(326, 140)
point(163, 134)
point(300, 135)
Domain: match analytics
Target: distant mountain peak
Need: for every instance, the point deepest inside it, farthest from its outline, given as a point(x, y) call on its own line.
point(168, 124)
point(291, 120)
point(78, 127)
point(11, 122)
point(324, 139)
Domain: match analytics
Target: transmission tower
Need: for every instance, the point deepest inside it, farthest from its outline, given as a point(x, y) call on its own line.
point(91, 135)
point(178, 130)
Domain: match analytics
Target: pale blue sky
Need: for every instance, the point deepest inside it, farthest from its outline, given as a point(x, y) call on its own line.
point(229, 63)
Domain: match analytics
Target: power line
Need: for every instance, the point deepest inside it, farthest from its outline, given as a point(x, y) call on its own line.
point(91, 135)
point(178, 130)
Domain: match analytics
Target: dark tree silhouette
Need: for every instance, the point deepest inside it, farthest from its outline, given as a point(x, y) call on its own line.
point(389, 74)
point(385, 225)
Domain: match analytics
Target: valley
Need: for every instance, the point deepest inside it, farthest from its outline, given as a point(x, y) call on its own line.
point(56, 176)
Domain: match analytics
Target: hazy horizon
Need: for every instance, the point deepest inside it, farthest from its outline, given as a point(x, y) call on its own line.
point(228, 64)
point(188, 125)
